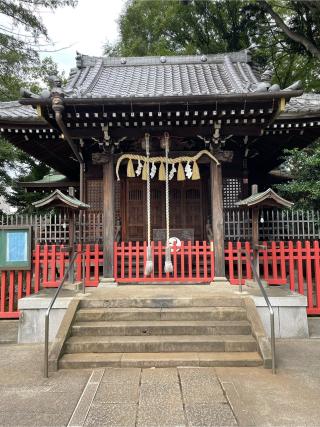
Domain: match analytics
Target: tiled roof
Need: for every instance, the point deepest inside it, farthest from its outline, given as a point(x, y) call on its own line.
point(306, 103)
point(14, 110)
point(266, 198)
point(95, 77)
point(57, 198)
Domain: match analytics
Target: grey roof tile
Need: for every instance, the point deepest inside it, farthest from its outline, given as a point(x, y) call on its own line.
point(158, 76)
point(14, 110)
point(306, 103)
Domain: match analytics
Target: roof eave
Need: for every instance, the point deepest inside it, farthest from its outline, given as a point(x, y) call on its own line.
point(190, 99)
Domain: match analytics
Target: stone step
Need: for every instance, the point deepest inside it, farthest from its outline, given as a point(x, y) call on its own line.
point(159, 360)
point(190, 313)
point(216, 301)
point(161, 327)
point(158, 344)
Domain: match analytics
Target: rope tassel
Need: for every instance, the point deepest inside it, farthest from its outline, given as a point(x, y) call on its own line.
point(195, 172)
point(181, 175)
point(162, 173)
point(146, 175)
point(168, 267)
point(149, 263)
point(145, 171)
point(130, 170)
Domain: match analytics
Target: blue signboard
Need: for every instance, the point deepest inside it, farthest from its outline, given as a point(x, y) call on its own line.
point(15, 247)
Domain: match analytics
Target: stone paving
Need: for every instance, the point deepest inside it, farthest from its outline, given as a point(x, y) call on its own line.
point(107, 396)
point(162, 397)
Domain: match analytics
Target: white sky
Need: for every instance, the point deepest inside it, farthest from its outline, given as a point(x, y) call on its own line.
point(84, 28)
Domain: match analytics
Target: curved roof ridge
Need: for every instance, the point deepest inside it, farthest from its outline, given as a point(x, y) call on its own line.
point(89, 61)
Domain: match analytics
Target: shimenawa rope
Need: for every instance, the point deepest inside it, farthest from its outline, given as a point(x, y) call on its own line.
point(149, 264)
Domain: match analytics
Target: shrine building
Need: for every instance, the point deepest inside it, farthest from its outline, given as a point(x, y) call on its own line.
point(161, 174)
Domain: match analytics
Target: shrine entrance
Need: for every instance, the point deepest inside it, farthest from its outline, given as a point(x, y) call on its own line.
point(188, 209)
point(192, 256)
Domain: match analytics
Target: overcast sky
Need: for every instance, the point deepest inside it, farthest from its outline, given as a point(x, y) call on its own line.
point(84, 28)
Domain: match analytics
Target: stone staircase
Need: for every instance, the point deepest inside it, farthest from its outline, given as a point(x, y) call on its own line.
point(146, 332)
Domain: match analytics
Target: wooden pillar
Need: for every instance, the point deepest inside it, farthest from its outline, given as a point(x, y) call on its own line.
point(217, 219)
point(82, 183)
point(255, 231)
point(108, 218)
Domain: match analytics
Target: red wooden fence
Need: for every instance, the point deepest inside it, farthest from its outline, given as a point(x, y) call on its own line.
point(49, 265)
point(295, 263)
point(191, 262)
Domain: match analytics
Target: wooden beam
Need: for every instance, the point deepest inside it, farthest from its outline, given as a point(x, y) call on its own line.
point(217, 219)
point(108, 218)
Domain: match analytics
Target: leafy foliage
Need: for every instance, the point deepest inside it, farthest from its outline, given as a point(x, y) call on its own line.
point(20, 31)
point(304, 167)
point(170, 27)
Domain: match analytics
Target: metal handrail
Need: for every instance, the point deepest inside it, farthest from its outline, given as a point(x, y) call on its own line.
point(273, 341)
point(46, 325)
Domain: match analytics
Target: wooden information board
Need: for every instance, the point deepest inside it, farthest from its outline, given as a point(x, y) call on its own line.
point(15, 248)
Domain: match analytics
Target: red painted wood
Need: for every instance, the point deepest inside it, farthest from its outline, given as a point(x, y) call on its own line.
point(189, 251)
point(11, 290)
point(137, 260)
point(20, 284)
point(115, 260)
point(300, 268)
point(53, 264)
point(212, 260)
point(130, 259)
point(78, 263)
point(283, 263)
point(37, 269)
point(160, 255)
point(182, 261)
point(317, 271)
point(230, 260)
point(274, 259)
point(248, 250)
point(28, 283)
point(309, 275)
point(45, 265)
point(197, 260)
point(87, 263)
point(291, 266)
point(122, 259)
point(175, 264)
point(205, 260)
point(3, 291)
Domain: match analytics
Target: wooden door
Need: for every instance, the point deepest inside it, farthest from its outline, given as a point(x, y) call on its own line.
point(187, 208)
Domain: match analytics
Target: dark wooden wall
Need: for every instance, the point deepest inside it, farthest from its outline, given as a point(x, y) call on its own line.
point(190, 201)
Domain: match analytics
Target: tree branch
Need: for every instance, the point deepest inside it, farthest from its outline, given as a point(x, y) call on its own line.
point(299, 38)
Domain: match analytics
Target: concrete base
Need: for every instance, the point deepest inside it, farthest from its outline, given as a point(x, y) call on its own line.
point(253, 284)
point(106, 282)
point(33, 309)
point(290, 314)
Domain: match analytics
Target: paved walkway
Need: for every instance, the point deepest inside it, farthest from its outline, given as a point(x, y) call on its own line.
point(162, 397)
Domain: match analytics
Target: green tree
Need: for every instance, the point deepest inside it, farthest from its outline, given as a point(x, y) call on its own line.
point(21, 32)
point(170, 27)
point(304, 167)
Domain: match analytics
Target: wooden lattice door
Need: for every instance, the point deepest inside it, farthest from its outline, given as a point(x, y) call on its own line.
point(186, 207)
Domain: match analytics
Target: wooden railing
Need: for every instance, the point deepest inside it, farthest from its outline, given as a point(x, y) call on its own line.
point(277, 225)
point(296, 264)
point(192, 262)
